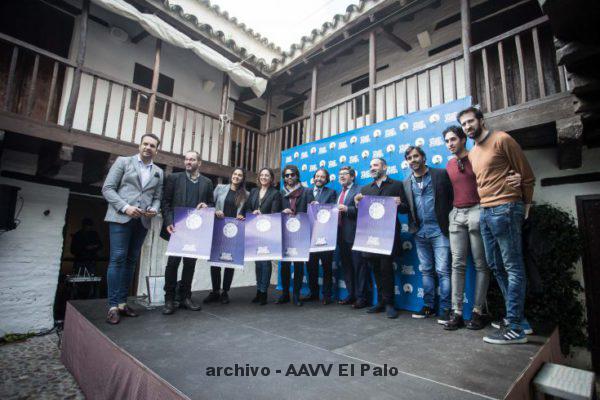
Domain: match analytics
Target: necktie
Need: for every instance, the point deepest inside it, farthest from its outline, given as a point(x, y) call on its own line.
point(341, 201)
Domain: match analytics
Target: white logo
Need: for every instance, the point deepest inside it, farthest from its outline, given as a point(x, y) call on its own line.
point(407, 245)
point(404, 164)
point(331, 177)
point(365, 139)
point(436, 141)
point(376, 210)
point(408, 270)
point(193, 222)
point(365, 174)
point(433, 118)
point(312, 180)
point(403, 126)
point(390, 148)
point(376, 133)
point(304, 155)
point(420, 292)
point(392, 169)
point(353, 159)
point(407, 287)
point(378, 153)
point(322, 163)
point(323, 216)
point(332, 164)
point(342, 159)
point(189, 248)
point(390, 132)
point(404, 227)
point(332, 145)
point(304, 167)
point(418, 125)
point(365, 154)
point(373, 241)
point(313, 150)
point(323, 150)
point(226, 257)
point(419, 142)
point(437, 159)
point(263, 225)
point(288, 159)
point(312, 168)
point(291, 251)
point(230, 230)
point(293, 225)
point(342, 145)
point(451, 117)
point(296, 154)
point(353, 140)
point(262, 250)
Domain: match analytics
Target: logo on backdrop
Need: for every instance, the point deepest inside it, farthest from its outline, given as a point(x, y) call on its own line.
point(230, 230)
point(193, 222)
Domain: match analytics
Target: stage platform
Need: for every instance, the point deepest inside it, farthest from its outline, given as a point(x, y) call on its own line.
point(160, 357)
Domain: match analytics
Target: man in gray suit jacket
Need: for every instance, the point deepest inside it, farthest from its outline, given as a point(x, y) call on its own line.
point(133, 189)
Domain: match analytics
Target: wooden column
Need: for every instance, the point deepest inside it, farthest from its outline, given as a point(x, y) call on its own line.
point(372, 77)
point(72, 104)
point(267, 127)
point(155, 76)
point(224, 106)
point(465, 20)
point(313, 106)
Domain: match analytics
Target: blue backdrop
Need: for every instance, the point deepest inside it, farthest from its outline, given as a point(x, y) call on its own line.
point(388, 139)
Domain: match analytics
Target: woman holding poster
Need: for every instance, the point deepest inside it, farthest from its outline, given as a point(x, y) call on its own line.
point(264, 199)
point(229, 202)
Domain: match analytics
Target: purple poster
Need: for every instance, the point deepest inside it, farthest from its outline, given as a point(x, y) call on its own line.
point(193, 233)
point(263, 237)
point(324, 223)
point(228, 243)
point(295, 237)
point(375, 225)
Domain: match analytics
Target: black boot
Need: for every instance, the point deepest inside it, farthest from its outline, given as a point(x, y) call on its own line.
point(284, 298)
point(257, 298)
point(187, 303)
point(263, 299)
point(169, 307)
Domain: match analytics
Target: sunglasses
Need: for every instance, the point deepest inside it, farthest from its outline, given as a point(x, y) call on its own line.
point(289, 175)
point(461, 165)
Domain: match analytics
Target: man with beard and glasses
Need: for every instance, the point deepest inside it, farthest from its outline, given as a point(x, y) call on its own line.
point(503, 211)
point(296, 198)
point(322, 195)
point(465, 232)
point(382, 265)
point(430, 196)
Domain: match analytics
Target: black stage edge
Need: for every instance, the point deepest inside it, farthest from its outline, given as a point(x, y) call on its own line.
point(158, 356)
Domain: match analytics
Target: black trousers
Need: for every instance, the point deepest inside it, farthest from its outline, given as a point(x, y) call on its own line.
point(356, 275)
point(189, 264)
point(298, 277)
point(215, 278)
point(383, 270)
point(326, 259)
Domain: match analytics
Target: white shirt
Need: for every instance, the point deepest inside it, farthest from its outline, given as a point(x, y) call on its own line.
point(145, 171)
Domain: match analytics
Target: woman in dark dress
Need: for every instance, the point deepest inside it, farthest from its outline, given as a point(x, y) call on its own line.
point(264, 199)
point(229, 202)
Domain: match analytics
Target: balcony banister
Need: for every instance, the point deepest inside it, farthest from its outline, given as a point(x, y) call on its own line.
point(525, 27)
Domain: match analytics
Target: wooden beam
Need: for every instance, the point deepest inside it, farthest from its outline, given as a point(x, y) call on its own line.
point(313, 105)
point(139, 37)
point(389, 33)
point(72, 104)
point(223, 111)
point(372, 77)
point(465, 20)
point(154, 86)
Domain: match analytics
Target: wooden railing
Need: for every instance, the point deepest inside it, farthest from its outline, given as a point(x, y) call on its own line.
point(290, 134)
point(517, 66)
point(38, 84)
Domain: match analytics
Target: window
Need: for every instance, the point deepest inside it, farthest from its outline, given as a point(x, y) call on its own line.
point(361, 104)
point(142, 76)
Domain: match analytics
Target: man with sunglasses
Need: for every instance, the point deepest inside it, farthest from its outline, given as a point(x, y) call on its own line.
point(465, 232)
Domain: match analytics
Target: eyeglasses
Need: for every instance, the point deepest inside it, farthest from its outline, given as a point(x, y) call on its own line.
point(461, 165)
point(289, 175)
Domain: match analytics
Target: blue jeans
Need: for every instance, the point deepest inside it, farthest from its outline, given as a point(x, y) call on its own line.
point(501, 231)
point(125, 244)
point(263, 275)
point(434, 257)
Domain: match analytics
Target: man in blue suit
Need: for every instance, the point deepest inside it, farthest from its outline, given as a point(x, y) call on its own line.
point(355, 277)
point(322, 195)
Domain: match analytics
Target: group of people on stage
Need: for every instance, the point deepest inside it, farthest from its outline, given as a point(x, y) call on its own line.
point(477, 203)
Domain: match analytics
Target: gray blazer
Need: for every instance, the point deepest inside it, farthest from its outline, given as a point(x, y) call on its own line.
point(220, 193)
point(123, 186)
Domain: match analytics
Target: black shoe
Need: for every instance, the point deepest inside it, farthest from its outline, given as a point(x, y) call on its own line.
point(263, 299)
point(224, 297)
point(296, 300)
point(425, 312)
point(256, 299)
point(477, 322)
point(455, 322)
point(188, 304)
point(359, 304)
point(391, 312)
point(377, 308)
point(284, 298)
point(169, 307)
point(212, 297)
point(310, 298)
point(443, 317)
point(347, 301)
point(127, 311)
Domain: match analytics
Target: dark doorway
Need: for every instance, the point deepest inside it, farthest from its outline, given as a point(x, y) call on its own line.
point(588, 214)
point(88, 210)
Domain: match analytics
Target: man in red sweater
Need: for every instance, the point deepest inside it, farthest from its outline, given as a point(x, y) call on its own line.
point(503, 210)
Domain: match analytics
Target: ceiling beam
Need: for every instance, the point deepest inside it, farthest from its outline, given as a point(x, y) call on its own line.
point(388, 32)
point(139, 37)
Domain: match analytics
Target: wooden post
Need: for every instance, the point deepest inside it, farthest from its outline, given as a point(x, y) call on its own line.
point(267, 127)
point(72, 104)
point(224, 105)
point(372, 76)
point(313, 106)
point(154, 86)
point(465, 19)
